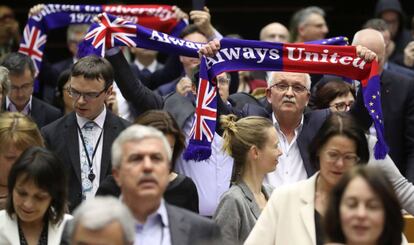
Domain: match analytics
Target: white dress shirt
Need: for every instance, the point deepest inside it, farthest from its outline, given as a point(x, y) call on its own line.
point(96, 161)
point(290, 168)
point(211, 176)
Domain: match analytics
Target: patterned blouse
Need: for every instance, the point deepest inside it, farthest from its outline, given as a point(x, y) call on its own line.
point(42, 238)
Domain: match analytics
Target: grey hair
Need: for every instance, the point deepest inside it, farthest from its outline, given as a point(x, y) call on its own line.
point(75, 28)
point(301, 17)
point(136, 133)
point(94, 214)
point(4, 80)
point(270, 80)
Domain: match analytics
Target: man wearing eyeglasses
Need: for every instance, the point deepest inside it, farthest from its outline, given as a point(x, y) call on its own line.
point(83, 138)
point(20, 99)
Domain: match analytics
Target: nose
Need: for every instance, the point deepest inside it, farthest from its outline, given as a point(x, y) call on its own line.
point(147, 164)
point(28, 203)
point(81, 100)
point(340, 162)
point(289, 91)
point(325, 29)
point(361, 211)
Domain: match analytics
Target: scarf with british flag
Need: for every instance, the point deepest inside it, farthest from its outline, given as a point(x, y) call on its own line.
point(235, 55)
point(54, 16)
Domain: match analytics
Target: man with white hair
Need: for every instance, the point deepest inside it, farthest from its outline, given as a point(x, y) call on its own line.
point(141, 159)
point(288, 93)
point(397, 102)
point(104, 221)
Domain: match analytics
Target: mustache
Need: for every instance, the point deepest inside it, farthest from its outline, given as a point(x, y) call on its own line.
point(290, 100)
point(147, 178)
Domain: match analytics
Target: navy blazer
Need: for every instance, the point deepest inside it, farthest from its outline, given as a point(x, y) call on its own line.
point(61, 137)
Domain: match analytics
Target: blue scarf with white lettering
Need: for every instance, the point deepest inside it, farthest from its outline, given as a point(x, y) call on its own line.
point(235, 55)
point(54, 16)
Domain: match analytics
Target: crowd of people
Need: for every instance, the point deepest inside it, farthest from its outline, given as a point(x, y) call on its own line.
point(95, 155)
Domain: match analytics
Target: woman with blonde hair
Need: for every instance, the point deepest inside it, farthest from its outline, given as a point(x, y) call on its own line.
point(254, 145)
point(4, 85)
point(17, 133)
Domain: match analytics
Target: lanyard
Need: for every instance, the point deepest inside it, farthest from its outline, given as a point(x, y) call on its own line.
point(91, 175)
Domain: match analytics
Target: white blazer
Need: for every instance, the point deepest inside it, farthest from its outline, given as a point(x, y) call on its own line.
point(288, 217)
point(9, 232)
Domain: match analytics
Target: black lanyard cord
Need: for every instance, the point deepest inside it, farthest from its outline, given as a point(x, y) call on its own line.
point(91, 175)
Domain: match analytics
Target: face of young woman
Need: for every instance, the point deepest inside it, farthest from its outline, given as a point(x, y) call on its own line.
point(268, 156)
point(336, 156)
point(29, 201)
point(362, 213)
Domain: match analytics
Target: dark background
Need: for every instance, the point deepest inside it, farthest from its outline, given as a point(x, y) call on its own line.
point(243, 17)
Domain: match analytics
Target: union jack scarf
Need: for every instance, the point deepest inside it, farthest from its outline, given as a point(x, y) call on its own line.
point(235, 55)
point(53, 16)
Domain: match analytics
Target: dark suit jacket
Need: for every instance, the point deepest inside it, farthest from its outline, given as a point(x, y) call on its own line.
point(185, 228)
point(397, 99)
point(312, 122)
point(146, 81)
point(131, 87)
point(42, 113)
point(61, 137)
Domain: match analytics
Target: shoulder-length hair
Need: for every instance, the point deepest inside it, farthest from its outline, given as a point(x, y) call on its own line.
point(46, 170)
point(377, 180)
point(339, 123)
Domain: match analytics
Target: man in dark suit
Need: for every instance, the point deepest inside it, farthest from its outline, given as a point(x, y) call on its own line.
point(20, 98)
point(397, 101)
point(84, 137)
point(141, 158)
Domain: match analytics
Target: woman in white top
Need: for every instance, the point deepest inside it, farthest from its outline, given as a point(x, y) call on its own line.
point(36, 202)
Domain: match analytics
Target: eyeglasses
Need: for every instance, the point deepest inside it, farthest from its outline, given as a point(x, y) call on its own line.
point(24, 88)
point(349, 159)
point(342, 106)
point(283, 87)
point(223, 81)
point(87, 96)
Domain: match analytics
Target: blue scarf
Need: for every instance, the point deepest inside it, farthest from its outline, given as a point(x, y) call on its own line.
point(235, 55)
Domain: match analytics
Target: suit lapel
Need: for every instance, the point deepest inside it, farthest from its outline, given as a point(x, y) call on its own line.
point(109, 135)
point(307, 209)
point(179, 229)
point(254, 208)
point(71, 135)
point(37, 112)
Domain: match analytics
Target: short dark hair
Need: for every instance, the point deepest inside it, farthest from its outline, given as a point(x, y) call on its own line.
point(327, 92)
point(16, 63)
point(190, 29)
point(48, 173)
point(377, 180)
point(339, 123)
point(94, 67)
point(165, 122)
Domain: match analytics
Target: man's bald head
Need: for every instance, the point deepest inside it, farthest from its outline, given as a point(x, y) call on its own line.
point(274, 32)
point(373, 40)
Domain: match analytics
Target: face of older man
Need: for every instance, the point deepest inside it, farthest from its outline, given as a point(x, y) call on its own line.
point(144, 169)
point(314, 28)
point(288, 93)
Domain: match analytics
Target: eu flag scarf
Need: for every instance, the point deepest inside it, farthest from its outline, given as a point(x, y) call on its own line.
point(235, 55)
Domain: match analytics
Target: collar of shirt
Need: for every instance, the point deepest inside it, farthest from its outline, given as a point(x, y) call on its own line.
point(298, 129)
point(99, 120)
point(153, 219)
point(152, 67)
point(12, 108)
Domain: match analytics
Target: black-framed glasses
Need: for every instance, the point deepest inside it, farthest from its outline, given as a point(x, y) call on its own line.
point(342, 106)
point(87, 95)
point(25, 87)
point(283, 87)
